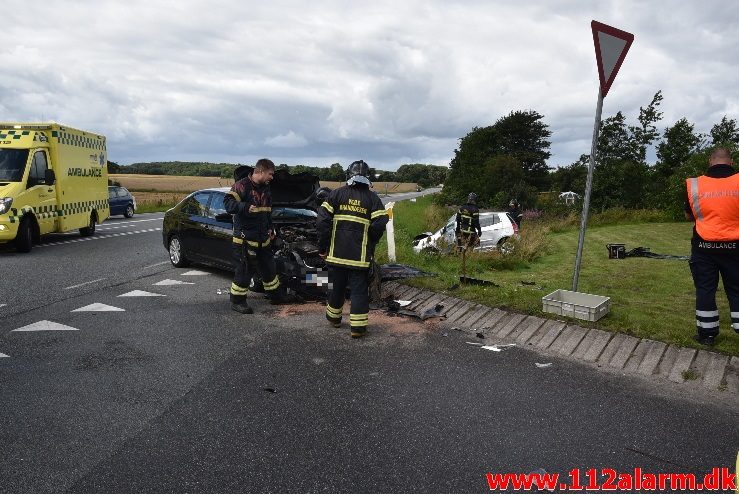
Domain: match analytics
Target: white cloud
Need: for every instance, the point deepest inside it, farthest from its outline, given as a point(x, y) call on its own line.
point(326, 81)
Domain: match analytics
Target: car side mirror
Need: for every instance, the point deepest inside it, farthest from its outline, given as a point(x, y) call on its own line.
point(224, 218)
point(49, 177)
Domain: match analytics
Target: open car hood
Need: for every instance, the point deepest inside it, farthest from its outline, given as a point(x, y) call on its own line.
point(288, 190)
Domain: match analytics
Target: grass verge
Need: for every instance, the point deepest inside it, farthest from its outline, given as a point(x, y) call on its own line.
point(650, 298)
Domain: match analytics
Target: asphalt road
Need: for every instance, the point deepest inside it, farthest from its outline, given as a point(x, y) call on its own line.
point(176, 393)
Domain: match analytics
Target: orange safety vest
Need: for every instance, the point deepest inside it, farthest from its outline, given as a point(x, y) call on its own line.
point(715, 205)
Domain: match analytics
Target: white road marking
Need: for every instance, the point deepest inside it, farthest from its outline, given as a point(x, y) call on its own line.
point(172, 282)
point(3, 355)
point(100, 237)
point(98, 307)
point(157, 264)
point(141, 293)
point(3, 305)
point(46, 326)
point(134, 221)
point(195, 273)
point(83, 284)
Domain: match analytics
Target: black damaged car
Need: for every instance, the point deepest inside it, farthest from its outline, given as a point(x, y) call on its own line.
point(199, 230)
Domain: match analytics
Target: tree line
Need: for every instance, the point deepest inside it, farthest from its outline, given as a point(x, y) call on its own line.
point(422, 174)
point(507, 160)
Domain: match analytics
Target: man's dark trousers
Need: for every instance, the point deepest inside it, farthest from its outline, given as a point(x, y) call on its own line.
point(356, 280)
point(706, 267)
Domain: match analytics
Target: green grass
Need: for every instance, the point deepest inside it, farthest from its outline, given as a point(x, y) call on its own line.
point(650, 298)
point(155, 208)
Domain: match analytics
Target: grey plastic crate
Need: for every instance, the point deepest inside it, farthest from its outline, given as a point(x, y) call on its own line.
point(578, 305)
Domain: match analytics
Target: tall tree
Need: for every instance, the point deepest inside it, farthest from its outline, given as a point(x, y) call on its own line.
point(678, 144)
point(725, 133)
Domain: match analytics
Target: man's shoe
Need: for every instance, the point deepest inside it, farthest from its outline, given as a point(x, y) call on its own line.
point(333, 322)
point(242, 308)
point(358, 334)
point(705, 340)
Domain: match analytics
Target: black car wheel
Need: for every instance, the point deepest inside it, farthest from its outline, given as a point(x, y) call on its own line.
point(89, 230)
point(176, 255)
point(24, 238)
point(129, 211)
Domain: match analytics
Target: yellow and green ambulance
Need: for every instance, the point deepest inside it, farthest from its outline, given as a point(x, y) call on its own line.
point(53, 179)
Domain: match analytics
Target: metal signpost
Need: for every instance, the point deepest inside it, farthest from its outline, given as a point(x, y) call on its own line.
point(611, 45)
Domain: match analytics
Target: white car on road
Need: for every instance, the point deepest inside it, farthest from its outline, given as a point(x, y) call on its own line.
point(497, 227)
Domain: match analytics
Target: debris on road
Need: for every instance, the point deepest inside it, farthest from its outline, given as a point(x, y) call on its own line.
point(542, 366)
point(401, 272)
point(498, 348)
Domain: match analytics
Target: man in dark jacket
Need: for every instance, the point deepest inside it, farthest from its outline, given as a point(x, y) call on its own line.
point(350, 222)
point(514, 209)
point(713, 203)
point(468, 224)
point(250, 203)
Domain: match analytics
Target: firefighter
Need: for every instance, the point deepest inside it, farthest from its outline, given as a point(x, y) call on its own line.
point(468, 229)
point(713, 203)
point(514, 209)
point(250, 203)
point(350, 223)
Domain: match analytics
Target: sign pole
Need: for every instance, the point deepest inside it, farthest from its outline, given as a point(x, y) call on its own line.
point(588, 190)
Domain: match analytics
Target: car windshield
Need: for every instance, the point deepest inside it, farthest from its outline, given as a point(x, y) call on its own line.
point(13, 164)
point(292, 214)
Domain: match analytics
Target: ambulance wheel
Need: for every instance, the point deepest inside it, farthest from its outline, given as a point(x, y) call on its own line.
point(89, 230)
point(176, 256)
point(24, 238)
point(129, 211)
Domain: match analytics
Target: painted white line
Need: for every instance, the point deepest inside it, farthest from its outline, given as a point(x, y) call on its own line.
point(98, 307)
point(3, 305)
point(157, 264)
point(195, 273)
point(141, 293)
point(134, 221)
point(46, 326)
point(100, 237)
point(2, 355)
point(172, 282)
point(83, 284)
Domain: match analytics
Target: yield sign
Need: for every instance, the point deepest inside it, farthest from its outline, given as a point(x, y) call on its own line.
point(611, 45)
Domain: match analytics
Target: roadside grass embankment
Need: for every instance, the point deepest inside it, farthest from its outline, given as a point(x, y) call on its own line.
point(650, 298)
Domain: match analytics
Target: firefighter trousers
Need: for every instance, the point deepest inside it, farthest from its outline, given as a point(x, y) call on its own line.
point(357, 282)
point(250, 261)
point(705, 268)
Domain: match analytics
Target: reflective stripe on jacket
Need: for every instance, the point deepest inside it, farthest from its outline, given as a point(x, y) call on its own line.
point(468, 219)
point(254, 225)
point(350, 223)
point(715, 206)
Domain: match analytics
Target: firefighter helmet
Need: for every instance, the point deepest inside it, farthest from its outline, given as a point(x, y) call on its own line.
point(472, 198)
point(358, 172)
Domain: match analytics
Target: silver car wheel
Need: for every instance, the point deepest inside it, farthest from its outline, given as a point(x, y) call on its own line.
point(175, 251)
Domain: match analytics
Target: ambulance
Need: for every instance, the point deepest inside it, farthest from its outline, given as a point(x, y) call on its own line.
point(53, 179)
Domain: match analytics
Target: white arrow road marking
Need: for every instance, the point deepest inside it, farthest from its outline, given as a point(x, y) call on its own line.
point(97, 307)
point(46, 326)
point(3, 355)
point(195, 272)
point(141, 293)
point(172, 282)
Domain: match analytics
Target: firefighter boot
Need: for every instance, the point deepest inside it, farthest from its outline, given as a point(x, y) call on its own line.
point(239, 304)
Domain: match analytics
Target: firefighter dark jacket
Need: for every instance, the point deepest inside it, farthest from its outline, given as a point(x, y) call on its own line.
point(468, 219)
point(251, 207)
point(350, 223)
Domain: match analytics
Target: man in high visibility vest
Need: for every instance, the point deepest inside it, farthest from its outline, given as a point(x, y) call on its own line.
point(350, 222)
point(468, 224)
point(713, 203)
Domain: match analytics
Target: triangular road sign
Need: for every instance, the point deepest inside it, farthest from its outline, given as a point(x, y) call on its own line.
point(99, 308)
point(611, 45)
point(46, 326)
point(141, 293)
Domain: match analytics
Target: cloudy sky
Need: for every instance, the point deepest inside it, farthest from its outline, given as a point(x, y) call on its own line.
point(319, 82)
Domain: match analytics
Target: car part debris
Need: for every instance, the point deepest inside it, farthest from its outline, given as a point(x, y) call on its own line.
point(466, 280)
point(618, 251)
point(480, 335)
point(435, 311)
point(473, 343)
point(401, 272)
point(523, 282)
point(498, 348)
point(542, 366)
